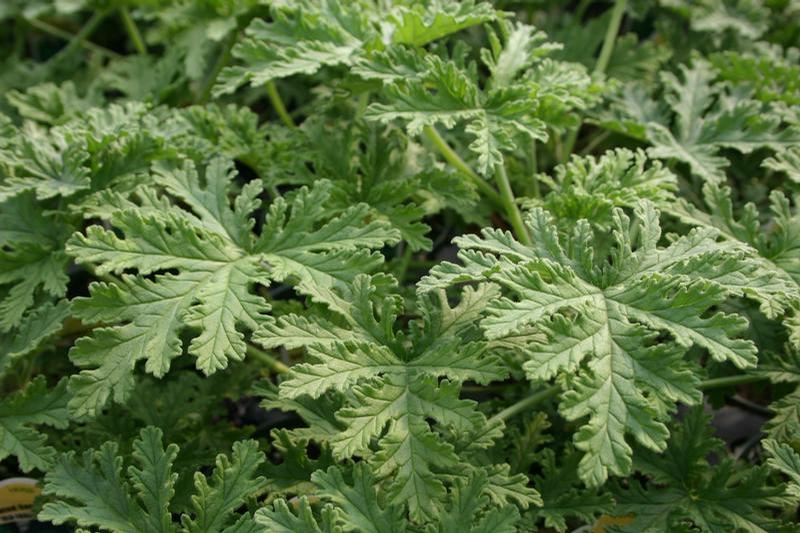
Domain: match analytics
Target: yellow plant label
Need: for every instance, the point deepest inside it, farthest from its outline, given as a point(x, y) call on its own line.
point(16, 499)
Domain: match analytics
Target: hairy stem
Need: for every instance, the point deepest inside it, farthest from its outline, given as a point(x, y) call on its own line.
point(535, 170)
point(526, 403)
point(405, 261)
point(133, 31)
point(595, 142)
point(72, 38)
point(611, 36)
point(602, 63)
point(271, 362)
point(541, 395)
point(456, 162)
point(277, 104)
point(510, 205)
point(729, 381)
point(222, 60)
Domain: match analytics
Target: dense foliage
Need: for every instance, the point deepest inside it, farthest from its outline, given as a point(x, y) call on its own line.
point(384, 266)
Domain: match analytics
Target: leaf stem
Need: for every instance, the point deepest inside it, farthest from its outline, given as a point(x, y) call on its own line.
point(456, 162)
point(405, 260)
point(510, 204)
point(544, 394)
point(277, 104)
point(67, 36)
point(535, 170)
point(602, 63)
point(729, 381)
point(526, 403)
point(595, 142)
point(222, 60)
point(271, 362)
point(133, 30)
point(611, 36)
point(79, 38)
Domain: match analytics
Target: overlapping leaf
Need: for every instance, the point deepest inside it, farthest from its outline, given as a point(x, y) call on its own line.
point(446, 95)
point(21, 412)
point(218, 261)
point(684, 489)
point(307, 36)
point(390, 382)
point(95, 491)
point(706, 118)
point(589, 188)
point(776, 246)
point(601, 308)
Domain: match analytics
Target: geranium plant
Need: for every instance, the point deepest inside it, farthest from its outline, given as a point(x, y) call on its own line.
point(384, 266)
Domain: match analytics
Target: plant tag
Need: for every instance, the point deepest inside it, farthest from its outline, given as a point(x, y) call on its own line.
point(16, 499)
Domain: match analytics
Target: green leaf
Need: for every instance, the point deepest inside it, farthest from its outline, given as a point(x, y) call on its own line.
point(745, 17)
point(218, 261)
point(303, 37)
point(358, 505)
point(775, 75)
point(37, 326)
point(707, 119)
point(34, 405)
point(152, 479)
point(468, 501)
point(418, 25)
point(684, 488)
point(299, 518)
point(563, 497)
point(232, 480)
point(524, 45)
point(32, 262)
point(787, 162)
point(784, 425)
point(47, 163)
point(785, 459)
point(95, 490)
point(392, 388)
point(446, 94)
point(601, 308)
point(590, 188)
point(775, 283)
point(49, 103)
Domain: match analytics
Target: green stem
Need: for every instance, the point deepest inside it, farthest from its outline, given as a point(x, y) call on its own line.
point(222, 60)
point(363, 102)
point(611, 36)
point(730, 381)
point(525, 404)
point(133, 31)
point(79, 39)
point(535, 170)
point(569, 143)
point(19, 36)
point(271, 362)
point(542, 395)
point(405, 260)
point(277, 104)
point(67, 36)
point(510, 205)
point(581, 10)
point(456, 162)
point(595, 142)
point(602, 63)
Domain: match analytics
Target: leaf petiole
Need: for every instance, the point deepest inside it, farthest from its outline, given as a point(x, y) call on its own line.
point(269, 361)
point(133, 31)
point(541, 395)
point(456, 162)
point(277, 104)
point(510, 205)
